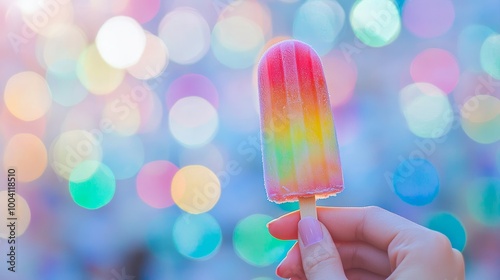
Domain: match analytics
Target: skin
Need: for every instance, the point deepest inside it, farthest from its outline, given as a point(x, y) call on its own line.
point(366, 243)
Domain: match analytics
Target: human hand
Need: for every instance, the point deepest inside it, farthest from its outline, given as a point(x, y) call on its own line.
point(364, 243)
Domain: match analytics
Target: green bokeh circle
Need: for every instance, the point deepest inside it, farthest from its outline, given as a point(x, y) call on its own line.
point(92, 184)
point(375, 22)
point(255, 245)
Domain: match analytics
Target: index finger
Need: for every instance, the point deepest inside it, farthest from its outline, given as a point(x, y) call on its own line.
point(372, 225)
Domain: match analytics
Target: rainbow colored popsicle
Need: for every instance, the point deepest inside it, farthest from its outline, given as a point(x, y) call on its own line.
point(299, 146)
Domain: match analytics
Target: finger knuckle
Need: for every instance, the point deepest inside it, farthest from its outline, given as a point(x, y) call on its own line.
point(373, 209)
point(319, 256)
point(441, 241)
point(366, 214)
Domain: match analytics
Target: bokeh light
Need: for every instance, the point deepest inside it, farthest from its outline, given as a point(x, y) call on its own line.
point(483, 200)
point(437, 67)
point(27, 153)
point(426, 22)
point(195, 189)
point(256, 11)
point(193, 121)
point(255, 245)
point(115, 7)
point(289, 206)
point(472, 84)
point(142, 10)
point(123, 155)
point(22, 213)
point(46, 17)
point(470, 40)
point(153, 61)
point(197, 236)
point(92, 184)
point(186, 35)
point(27, 96)
point(318, 23)
point(192, 85)
point(61, 53)
point(490, 56)
point(237, 41)
point(481, 118)
point(121, 41)
point(65, 87)
point(95, 74)
point(154, 183)
point(449, 225)
point(71, 148)
point(416, 181)
point(159, 235)
point(341, 75)
point(427, 110)
point(376, 23)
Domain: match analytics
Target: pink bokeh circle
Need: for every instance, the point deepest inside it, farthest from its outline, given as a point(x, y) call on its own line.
point(154, 182)
point(142, 10)
point(428, 18)
point(436, 66)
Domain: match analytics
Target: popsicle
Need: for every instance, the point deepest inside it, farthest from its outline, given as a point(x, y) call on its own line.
point(299, 146)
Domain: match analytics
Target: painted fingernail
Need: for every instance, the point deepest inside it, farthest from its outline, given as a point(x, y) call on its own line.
point(310, 231)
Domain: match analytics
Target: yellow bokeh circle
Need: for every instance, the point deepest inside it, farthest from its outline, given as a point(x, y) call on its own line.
point(195, 189)
point(95, 74)
point(481, 118)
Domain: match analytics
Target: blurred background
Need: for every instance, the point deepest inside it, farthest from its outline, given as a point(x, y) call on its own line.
point(133, 129)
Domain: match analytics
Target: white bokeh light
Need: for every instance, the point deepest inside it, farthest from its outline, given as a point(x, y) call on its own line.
point(186, 35)
point(427, 110)
point(121, 41)
point(193, 121)
point(153, 61)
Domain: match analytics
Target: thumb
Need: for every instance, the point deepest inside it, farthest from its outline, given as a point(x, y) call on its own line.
point(320, 258)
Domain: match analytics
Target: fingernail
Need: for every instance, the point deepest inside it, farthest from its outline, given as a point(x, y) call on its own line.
point(310, 231)
point(271, 222)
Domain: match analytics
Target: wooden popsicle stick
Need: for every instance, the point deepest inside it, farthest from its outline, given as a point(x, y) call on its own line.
point(308, 207)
